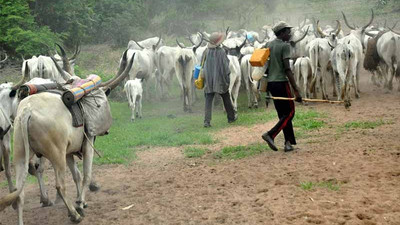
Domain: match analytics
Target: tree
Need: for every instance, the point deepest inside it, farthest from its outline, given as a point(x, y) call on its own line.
point(19, 34)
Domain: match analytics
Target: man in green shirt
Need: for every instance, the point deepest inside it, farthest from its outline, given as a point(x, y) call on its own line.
point(279, 77)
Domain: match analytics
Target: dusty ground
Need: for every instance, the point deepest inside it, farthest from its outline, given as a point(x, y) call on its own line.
point(163, 187)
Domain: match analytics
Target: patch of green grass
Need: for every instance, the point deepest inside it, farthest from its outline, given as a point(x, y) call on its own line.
point(363, 124)
point(194, 152)
point(165, 124)
point(307, 119)
point(329, 184)
point(239, 152)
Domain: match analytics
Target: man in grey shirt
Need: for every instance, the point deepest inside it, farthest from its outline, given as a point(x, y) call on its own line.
point(217, 78)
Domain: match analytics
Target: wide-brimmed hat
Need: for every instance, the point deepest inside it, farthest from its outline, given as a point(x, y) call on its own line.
point(279, 26)
point(217, 38)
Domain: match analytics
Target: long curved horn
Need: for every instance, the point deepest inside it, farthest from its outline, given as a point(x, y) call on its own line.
point(139, 45)
point(190, 39)
point(398, 33)
point(120, 70)
point(394, 26)
point(64, 75)
point(226, 32)
point(370, 22)
point(305, 34)
point(24, 77)
point(77, 51)
point(244, 42)
point(198, 45)
point(179, 44)
point(65, 60)
point(338, 27)
point(158, 42)
point(329, 43)
point(320, 32)
point(346, 22)
point(2, 61)
point(124, 74)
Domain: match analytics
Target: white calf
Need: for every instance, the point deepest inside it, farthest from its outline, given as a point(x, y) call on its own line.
point(134, 94)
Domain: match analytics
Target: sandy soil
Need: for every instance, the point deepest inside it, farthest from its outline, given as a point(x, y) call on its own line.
point(163, 187)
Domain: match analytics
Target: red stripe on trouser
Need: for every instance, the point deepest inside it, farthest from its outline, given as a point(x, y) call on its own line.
point(291, 103)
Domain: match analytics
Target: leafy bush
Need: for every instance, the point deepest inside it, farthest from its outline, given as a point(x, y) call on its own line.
point(19, 34)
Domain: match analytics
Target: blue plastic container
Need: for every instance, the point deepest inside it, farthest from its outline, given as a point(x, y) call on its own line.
point(250, 37)
point(196, 73)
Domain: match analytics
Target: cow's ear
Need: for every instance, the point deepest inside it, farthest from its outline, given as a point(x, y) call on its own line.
point(13, 93)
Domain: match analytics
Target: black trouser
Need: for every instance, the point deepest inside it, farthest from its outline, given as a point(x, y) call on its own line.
point(285, 110)
point(227, 104)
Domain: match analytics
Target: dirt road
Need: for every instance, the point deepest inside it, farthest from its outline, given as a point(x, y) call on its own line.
point(355, 173)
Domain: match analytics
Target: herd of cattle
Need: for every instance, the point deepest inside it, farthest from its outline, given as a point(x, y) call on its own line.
point(320, 57)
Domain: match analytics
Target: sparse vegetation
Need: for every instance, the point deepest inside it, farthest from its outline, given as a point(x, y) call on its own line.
point(363, 124)
point(194, 152)
point(239, 152)
point(333, 185)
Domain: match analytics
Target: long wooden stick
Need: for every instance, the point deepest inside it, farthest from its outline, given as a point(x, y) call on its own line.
point(305, 99)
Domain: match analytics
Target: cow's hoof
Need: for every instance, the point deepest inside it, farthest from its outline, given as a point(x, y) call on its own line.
point(80, 211)
point(93, 187)
point(46, 203)
point(76, 219)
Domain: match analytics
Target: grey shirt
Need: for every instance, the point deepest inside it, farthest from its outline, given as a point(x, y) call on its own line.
point(216, 71)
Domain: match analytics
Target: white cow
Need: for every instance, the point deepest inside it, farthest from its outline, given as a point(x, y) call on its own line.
point(250, 84)
point(235, 79)
point(165, 58)
point(144, 66)
point(8, 109)
point(134, 94)
point(388, 48)
point(185, 60)
point(346, 60)
point(64, 141)
point(319, 52)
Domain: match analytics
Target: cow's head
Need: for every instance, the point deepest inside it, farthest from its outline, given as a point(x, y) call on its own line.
point(331, 35)
point(359, 32)
point(235, 51)
point(67, 63)
point(194, 47)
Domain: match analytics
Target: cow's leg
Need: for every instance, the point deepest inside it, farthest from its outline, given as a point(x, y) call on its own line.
point(235, 93)
point(44, 197)
point(312, 85)
point(1, 159)
point(5, 148)
point(139, 106)
point(76, 175)
point(87, 171)
point(59, 165)
point(21, 171)
point(334, 90)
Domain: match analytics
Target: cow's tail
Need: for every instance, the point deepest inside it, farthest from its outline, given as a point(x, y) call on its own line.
point(23, 126)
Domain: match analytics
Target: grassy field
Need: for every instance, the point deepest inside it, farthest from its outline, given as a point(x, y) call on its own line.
point(165, 124)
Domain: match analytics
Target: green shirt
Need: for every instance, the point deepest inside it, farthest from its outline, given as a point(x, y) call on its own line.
point(279, 51)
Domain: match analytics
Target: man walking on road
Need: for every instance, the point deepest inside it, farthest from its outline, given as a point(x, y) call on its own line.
point(279, 77)
point(217, 78)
